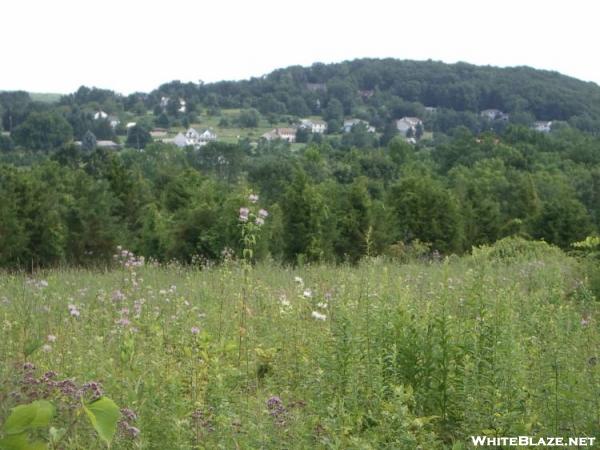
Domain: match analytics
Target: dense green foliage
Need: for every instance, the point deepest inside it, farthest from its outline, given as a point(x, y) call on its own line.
point(371, 357)
point(376, 90)
point(329, 202)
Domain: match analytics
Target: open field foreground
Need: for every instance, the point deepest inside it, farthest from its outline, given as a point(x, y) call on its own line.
point(417, 356)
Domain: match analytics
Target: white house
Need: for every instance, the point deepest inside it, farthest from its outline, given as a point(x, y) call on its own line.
point(493, 114)
point(114, 121)
point(192, 138)
point(286, 134)
point(543, 127)
point(192, 135)
point(109, 145)
point(349, 123)
point(158, 133)
point(408, 125)
point(207, 136)
point(180, 140)
point(315, 126)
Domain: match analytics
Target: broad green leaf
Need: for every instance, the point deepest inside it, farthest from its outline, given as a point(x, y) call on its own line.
point(25, 417)
point(104, 415)
point(20, 442)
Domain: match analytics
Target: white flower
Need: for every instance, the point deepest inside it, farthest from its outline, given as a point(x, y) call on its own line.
point(51, 338)
point(318, 316)
point(322, 305)
point(46, 348)
point(307, 293)
point(298, 280)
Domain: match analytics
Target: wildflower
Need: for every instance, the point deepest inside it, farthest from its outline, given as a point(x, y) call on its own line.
point(124, 322)
point(133, 431)
point(118, 296)
point(263, 213)
point(73, 311)
point(277, 410)
point(253, 198)
point(244, 214)
point(128, 414)
point(51, 338)
point(195, 330)
point(318, 316)
point(42, 283)
point(585, 321)
point(260, 221)
point(46, 348)
point(298, 280)
point(307, 293)
point(94, 387)
point(322, 305)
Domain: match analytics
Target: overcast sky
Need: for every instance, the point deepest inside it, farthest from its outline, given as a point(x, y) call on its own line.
point(127, 45)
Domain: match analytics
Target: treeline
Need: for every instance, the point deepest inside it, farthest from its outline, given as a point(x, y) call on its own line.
point(380, 90)
point(376, 90)
point(327, 202)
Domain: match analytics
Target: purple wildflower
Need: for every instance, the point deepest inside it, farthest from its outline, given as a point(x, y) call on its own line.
point(277, 410)
point(253, 198)
point(263, 213)
point(244, 214)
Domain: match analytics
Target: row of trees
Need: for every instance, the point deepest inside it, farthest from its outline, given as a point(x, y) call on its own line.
point(378, 91)
point(325, 203)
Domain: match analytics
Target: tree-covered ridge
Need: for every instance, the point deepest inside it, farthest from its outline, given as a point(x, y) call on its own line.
point(382, 90)
point(379, 91)
point(461, 86)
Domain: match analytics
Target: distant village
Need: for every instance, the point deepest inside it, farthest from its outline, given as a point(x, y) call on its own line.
point(410, 128)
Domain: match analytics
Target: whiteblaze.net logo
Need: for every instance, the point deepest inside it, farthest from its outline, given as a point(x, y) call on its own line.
point(530, 441)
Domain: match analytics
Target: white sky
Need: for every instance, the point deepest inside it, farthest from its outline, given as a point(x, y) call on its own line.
point(130, 45)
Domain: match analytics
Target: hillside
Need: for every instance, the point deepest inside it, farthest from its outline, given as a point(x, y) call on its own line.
point(378, 91)
point(383, 90)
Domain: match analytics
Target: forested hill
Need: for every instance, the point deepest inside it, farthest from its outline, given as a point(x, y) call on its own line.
point(385, 89)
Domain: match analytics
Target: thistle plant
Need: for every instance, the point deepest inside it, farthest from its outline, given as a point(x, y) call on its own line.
point(251, 221)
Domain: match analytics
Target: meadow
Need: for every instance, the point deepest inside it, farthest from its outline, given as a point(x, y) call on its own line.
point(383, 355)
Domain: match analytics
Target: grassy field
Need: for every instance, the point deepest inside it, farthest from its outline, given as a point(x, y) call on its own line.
point(45, 97)
point(378, 356)
point(230, 134)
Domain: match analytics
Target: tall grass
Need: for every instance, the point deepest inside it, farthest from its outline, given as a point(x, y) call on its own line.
point(419, 355)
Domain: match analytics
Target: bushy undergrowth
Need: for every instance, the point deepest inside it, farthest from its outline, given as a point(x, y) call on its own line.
point(416, 356)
